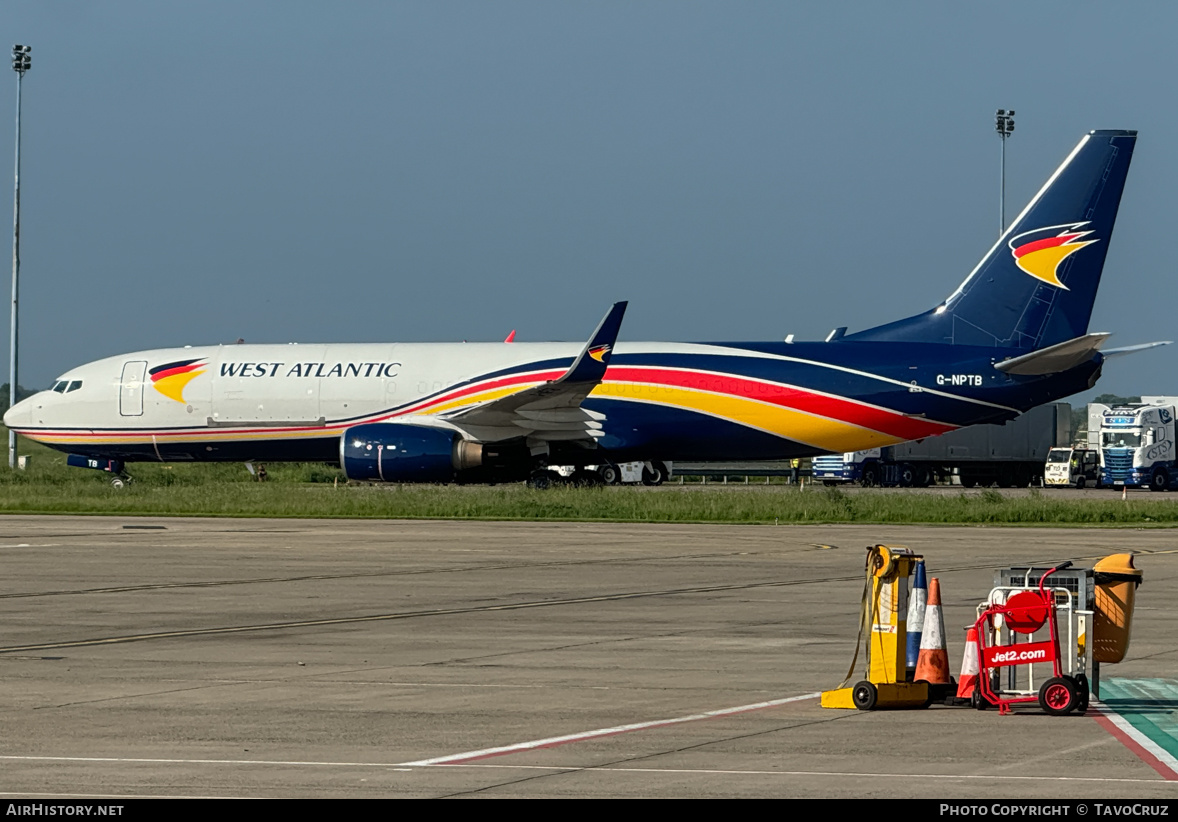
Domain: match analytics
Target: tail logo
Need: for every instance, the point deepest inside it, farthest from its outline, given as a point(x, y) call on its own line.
point(598, 352)
point(1040, 252)
point(169, 379)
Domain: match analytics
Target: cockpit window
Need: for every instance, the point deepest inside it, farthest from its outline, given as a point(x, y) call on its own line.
point(59, 386)
point(74, 386)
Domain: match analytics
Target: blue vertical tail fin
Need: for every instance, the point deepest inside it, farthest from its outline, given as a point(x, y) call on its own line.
point(1036, 286)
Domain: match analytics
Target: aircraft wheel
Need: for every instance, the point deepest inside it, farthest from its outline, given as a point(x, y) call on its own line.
point(864, 696)
point(609, 474)
point(1160, 481)
point(540, 480)
point(1058, 696)
point(664, 474)
point(655, 474)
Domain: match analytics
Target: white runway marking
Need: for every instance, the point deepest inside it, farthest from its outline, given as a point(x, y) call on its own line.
point(835, 774)
point(551, 769)
point(47, 795)
point(618, 729)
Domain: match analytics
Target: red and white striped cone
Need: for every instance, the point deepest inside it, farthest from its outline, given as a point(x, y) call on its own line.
point(933, 664)
point(969, 666)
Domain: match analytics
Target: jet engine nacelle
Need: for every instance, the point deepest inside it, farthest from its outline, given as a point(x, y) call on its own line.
point(400, 453)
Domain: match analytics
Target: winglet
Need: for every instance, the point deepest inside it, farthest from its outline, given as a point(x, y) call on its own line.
point(594, 358)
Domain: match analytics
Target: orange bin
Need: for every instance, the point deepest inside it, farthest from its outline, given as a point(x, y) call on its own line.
point(1116, 589)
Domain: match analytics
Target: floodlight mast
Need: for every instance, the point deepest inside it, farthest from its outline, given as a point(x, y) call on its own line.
point(1004, 124)
point(21, 62)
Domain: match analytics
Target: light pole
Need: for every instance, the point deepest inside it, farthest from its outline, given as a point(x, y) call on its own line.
point(1004, 123)
point(21, 62)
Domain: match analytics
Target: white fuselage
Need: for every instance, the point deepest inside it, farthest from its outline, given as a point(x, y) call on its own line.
point(291, 392)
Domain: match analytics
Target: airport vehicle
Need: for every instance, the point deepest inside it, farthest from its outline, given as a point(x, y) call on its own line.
point(1137, 443)
point(1067, 467)
point(622, 473)
point(1011, 455)
point(1012, 336)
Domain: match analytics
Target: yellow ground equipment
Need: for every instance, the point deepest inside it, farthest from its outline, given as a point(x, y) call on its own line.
point(884, 618)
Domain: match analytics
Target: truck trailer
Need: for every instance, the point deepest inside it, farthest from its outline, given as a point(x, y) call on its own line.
point(1010, 455)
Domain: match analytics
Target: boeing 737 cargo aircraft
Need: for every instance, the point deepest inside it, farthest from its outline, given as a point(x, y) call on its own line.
point(1012, 336)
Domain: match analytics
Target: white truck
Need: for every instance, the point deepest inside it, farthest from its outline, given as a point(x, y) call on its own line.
point(1011, 455)
point(1136, 443)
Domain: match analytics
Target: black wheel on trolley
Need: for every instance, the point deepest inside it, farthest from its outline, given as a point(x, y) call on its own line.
point(1058, 696)
point(864, 695)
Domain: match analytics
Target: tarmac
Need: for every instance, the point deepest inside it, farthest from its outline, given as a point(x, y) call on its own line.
point(158, 657)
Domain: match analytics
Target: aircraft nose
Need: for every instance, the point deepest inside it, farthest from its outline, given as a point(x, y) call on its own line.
point(19, 415)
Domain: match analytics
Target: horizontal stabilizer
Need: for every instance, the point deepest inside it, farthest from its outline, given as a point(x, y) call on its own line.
point(1133, 349)
point(1055, 358)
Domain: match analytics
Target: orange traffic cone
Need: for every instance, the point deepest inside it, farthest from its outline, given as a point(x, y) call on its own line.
point(969, 666)
point(933, 664)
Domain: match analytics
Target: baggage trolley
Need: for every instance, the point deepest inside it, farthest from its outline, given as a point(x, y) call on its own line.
point(1021, 611)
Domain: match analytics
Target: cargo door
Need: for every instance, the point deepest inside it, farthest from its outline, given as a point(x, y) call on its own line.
point(131, 388)
point(250, 392)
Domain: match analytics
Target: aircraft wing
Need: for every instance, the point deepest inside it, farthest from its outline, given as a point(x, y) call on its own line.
point(553, 411)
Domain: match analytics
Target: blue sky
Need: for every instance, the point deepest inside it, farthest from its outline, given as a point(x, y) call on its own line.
point(419, 171)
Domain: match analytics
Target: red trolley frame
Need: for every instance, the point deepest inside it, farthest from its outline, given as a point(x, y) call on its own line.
point(1025, 612)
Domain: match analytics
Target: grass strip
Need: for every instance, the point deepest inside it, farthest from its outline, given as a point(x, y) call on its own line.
point(48, 486)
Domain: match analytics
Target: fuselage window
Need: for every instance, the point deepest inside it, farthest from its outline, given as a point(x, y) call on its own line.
point(74, 386)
